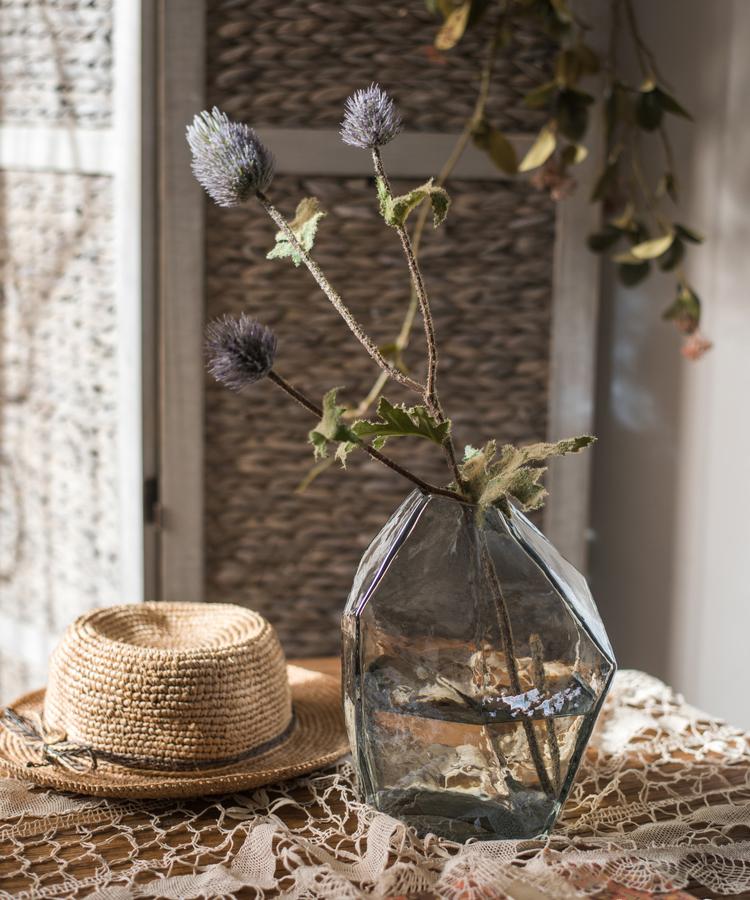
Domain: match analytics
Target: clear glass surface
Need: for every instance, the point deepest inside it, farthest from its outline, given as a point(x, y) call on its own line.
point(475, 664)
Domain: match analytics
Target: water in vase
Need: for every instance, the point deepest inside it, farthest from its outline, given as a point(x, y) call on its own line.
point(447, 733)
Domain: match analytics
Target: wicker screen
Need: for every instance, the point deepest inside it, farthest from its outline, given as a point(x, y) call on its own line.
point(294, 63)
point(56, 62)
point(292, 556)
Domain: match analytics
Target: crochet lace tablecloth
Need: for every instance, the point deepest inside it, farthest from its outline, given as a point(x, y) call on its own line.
point(661, 803)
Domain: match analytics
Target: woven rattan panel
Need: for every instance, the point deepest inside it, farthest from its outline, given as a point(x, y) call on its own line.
point(58, 388)
point(56, 62)
point(294, 63)
point(292, 556)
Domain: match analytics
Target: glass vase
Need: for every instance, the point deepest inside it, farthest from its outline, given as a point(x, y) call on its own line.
point(475, 664)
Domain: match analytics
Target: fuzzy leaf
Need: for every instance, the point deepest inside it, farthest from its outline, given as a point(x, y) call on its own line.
point(400, 421)
point(540, 151)
point(395, 210)
point(515, 473)
point(331, 428)
point(304, 225)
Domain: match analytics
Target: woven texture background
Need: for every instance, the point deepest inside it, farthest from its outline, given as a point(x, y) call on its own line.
point(294, 64)
point(292, 556)
point(56, 62)
point(59, 523)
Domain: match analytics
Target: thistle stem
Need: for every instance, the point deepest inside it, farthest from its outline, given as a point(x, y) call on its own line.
point(335, 298)
point(402, 341)
point(430, 395)
point(308, 404)
point(419, 290)
point(511, 661)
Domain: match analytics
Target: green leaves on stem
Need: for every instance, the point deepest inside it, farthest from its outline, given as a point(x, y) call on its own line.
point(392, 421)
point(666, 249)
point(304, 225)
point(395, 210)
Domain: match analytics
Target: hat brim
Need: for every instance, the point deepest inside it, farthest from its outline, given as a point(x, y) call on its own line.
point(318, 739)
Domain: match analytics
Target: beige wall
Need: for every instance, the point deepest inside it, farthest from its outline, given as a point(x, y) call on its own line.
point(671, 540)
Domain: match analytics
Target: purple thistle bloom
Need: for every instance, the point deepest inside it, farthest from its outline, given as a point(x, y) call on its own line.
point(370, 119)
point(241, 351)
point(229, 159)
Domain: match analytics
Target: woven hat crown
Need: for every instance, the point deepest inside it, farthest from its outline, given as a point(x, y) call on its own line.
point(169, 683)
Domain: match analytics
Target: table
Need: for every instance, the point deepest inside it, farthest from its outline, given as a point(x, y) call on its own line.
point(662, 801)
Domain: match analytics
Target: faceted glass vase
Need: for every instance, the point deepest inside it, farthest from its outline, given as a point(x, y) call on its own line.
point(475, 665)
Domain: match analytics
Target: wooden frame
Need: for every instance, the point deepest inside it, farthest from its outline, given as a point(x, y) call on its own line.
point(134, 230)
point(181, 301)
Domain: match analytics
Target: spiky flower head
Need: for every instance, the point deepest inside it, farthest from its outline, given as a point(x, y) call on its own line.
point(240, 350)
point(229, 159)
point(370, 119)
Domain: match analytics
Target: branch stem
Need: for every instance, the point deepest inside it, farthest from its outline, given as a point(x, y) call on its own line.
point(312, 407)
point(402, 341)
point(335, 298)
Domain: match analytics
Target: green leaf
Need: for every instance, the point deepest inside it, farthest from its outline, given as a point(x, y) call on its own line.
point(454, 27)
point(602, 240)
point(331, 428)
point(607, 178)
point(689, 234)
point(673, 257)
point(395, 210)
point(574, 154)
point(631, 275)
point(497, 146)
point(515, 474)
point(541, 96)
point(685, 310)
point(667, 186)
point(398, 421)
point(304, 225)
point(653, 248)
point(670, 105)
point(540, 151)
point(648, 108)
point(571, 112)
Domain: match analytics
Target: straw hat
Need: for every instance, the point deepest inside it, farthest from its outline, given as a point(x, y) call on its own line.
point(171, 700)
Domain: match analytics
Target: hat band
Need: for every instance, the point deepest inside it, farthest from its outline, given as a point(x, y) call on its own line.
point(56, 750)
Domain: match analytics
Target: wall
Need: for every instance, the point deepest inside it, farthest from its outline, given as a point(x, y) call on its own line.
point(671, 491)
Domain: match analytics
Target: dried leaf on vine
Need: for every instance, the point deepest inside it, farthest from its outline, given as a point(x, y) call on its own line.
point(540, 151)
point(454, 27)
point(493, 480)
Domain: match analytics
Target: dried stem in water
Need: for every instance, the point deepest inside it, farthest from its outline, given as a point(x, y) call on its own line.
point(511, 661)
